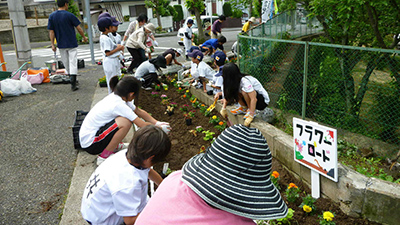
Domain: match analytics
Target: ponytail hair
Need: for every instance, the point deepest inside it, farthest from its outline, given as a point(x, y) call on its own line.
point(232, 77)
point(128, 84)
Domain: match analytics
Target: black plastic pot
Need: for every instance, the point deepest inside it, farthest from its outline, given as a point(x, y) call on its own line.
point(188, 122)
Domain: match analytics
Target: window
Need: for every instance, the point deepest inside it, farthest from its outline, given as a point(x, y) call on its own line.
point(136, 10)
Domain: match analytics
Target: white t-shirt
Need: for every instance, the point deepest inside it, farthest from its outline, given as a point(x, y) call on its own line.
point(115, 190)
point(116, 39)
point(145, 68)
point(249, 84)
point(102, 113)
point(189, 31)
point(205, 70)
point(218, 81)
point(107, 44)
point(193, 70)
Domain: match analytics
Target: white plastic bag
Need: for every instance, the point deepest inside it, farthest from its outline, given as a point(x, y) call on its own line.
point(26, 87)
point(11, 87)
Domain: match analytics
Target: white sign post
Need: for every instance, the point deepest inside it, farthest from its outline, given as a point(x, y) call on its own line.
point(315, 146)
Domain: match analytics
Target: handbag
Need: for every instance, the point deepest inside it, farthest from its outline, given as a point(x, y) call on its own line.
point(32, 78)
point(43, 70)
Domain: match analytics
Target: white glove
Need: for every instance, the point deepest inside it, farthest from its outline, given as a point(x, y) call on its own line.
point(164, 126)
point(223, 112)
point(148, 50)
point(123, 43)
point(155, 43)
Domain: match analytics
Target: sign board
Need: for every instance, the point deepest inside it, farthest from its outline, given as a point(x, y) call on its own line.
point(266, 10)
point(315, 146)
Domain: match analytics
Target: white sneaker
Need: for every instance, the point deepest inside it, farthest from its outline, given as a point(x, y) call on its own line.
point(146, 88)
point(100, 160)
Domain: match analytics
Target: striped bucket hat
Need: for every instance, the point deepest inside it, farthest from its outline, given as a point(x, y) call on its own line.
point(234, 175)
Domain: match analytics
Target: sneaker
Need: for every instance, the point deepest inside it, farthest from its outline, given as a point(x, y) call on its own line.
point(247, 115)
point(121, 146)
point(146, 88)
point(238, 110)
point(100, 160)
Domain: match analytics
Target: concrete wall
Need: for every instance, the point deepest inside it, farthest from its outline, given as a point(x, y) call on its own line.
point(36, 34)
point(356, 194)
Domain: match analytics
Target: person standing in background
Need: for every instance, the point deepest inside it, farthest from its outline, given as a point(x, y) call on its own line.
point(217, 27)
point(61, 26)
point(133, 26)
point(188, 39)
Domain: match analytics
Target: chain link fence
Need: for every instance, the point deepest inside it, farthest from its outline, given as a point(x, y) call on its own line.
point(356, 89)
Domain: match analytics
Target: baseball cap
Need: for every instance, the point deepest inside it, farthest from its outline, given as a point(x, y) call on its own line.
point(104, 22)
point(190, 21)
point(196, 54)
point(219, 56)
point(179, 51)
point(114, 20)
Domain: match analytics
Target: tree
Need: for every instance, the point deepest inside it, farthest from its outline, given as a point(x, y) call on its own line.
point(160, 7)
point(227, 9)
point(360, 23)
point(73, 8)
point(197, 6)
point(179, 13)
point(239, 4)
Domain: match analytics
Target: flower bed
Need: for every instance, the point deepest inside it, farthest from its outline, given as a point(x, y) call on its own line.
point(188, 140)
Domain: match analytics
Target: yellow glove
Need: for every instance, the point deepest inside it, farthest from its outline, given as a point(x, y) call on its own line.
point(248, 120)
point(223, 112)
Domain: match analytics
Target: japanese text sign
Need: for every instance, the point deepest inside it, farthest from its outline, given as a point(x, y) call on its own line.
point(315, 146)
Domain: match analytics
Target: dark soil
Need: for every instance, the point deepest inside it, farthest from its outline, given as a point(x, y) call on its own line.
point(185, 145)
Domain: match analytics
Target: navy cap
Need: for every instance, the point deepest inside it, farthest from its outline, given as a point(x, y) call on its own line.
point(196, 54)
point(104, 22)
point(114, 20)
point(219, 56)
point(104, 14)
point(190, 21)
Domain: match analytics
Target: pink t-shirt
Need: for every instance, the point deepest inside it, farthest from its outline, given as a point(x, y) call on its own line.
point(175, 203)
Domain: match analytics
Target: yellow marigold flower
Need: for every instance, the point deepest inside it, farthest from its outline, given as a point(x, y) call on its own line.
point(275, 174)
point(328, 216)
point(292, 185)
point(307, 208)
point(214, 117)
point(221, 123)
point(187, 91)
point(166, 89)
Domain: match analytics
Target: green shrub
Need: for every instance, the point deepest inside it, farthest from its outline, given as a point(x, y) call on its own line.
point(126, 18)
point(227, 9)
point(179, 13)
point(237, 13)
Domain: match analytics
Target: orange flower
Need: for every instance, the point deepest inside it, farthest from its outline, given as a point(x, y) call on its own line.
point(180, 88)
point(184, 96)
point(292, 185)
point(203, 105)
point(275, 174)
point(221, 123)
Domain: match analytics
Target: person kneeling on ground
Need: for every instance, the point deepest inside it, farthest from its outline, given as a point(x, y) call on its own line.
point(172, 54)
point(147, 71)
point(108, 122)
point(117, 190)
point(228, 184)
point(204, 71)
point(245, 90)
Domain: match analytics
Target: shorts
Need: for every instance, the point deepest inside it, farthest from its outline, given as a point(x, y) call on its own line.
point(102, 138)
point(261, 105)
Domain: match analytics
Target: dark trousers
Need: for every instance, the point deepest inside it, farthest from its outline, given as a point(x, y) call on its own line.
point(149, 79)
point(138, 57)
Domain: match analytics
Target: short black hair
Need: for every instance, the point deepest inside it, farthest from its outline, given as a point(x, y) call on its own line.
point(128, 84)
point(222, 39)
point(142, 18)
point(146, 142)
point(222, 17)
point(61, 3)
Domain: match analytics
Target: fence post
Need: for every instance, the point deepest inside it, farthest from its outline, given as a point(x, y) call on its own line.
point(238, 50)
point(303, 108)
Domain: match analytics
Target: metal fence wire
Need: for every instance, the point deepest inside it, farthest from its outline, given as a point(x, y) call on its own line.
point(356, 89)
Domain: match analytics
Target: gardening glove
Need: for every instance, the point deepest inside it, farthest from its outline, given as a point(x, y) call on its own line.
point(155, 43)
point(248, 120)
point(148, 50)
point(223, 112)
point(164, 126)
